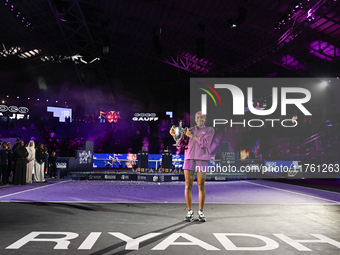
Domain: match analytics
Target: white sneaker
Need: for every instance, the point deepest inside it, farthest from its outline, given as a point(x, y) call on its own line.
point(190, 216)
point(201, 216)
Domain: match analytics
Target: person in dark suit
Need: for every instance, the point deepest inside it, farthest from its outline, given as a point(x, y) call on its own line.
point(4, 163)
point(52, 161)
point(46, 160)
point(20, 155)
point(10, 161)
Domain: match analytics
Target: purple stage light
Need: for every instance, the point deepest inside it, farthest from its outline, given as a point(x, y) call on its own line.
point(17, 97)
point(291, 62)
point(323, 49)
point(46, 100)
point(38, 99)
point(7, 95)
point(28, 98)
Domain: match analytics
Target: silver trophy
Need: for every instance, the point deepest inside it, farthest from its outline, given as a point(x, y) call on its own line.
point(178, 133)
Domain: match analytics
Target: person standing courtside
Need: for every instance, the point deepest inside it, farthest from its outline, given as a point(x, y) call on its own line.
point(20, 155)
point(52, 161)
point(10, 161)
point(39, 174)
point(46, 160)
point(30, 161)
point(4, 163)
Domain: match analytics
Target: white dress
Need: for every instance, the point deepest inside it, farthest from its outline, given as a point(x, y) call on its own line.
point(30, 163)
point(39, 173)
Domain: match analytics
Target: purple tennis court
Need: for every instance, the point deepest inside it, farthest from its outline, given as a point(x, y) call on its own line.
point(121, 217)
point(233, 192)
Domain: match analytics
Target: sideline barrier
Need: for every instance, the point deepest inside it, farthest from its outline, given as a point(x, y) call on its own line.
point(147, 177)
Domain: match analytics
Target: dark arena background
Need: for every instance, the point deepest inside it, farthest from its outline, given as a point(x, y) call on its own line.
point(100, 83)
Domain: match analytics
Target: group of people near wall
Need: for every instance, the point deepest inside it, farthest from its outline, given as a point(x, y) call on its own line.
point(24, 162)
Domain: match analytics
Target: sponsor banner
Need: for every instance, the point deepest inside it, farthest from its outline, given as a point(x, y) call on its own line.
point(61, 163)
point(130, 177)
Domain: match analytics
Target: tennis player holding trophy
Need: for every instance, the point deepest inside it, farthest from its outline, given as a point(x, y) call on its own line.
point(195, 141)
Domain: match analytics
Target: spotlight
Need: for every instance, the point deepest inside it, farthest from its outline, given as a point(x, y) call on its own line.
point(242, 14)
point(17, 97)
point(3, 102)
point(323, 84)
point(7, 95)
point(38, 99)
point(46, 100)
point(232, 24)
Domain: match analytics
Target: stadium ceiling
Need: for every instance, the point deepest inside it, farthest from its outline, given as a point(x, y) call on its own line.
point(159, 43)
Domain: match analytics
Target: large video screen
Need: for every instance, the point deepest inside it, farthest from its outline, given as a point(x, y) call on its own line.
point(117, 160)
point(62, 113)
point(109, 116)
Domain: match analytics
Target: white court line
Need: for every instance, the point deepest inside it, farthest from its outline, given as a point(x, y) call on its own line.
point(162, 203)
point(333, 201)
point(295, 185)
point(33, 189)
